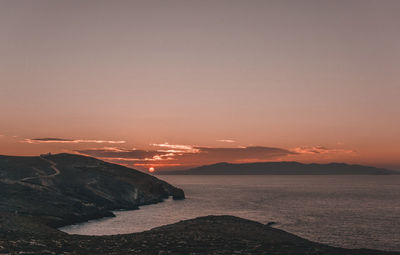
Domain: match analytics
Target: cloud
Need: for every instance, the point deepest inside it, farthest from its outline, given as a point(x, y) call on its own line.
point(112, 152)
point(175, 155)
point(63, 140)
point(176, 148)
point(318, 150)
point(226, 141)
point(181, 155)
point(8, 136)
point(133, 156)
point(237, 154)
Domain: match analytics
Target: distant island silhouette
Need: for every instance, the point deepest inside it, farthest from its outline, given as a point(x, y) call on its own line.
point(281, 168)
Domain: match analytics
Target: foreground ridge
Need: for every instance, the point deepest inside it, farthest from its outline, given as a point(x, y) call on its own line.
point(204, 235)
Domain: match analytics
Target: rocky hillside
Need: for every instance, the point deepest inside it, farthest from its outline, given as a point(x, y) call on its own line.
point(66, 188)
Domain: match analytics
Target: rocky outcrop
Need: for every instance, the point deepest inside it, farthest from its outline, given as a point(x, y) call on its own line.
point(178, 194)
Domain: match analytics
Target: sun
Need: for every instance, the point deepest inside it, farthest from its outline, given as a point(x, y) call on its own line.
point(151, 169)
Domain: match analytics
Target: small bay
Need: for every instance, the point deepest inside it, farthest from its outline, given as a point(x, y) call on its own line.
point(360, 211)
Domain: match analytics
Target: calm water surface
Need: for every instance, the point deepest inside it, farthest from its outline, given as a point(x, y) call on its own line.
point(345, 211)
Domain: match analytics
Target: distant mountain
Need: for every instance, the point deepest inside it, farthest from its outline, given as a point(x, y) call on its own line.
point(280, 168)
point(67, 188)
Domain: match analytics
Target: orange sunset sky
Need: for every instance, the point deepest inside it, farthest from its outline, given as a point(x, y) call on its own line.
point(173, 84)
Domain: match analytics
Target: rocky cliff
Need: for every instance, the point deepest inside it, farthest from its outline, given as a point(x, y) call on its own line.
point(66, 188)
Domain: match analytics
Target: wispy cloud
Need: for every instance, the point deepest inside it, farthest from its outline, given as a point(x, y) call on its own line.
point(173, 154)
point(176, 148)
point(318, 150)
point(253, 153)
point(226, 141)
point(119, 153)
point(63, 140)
point(133, 156)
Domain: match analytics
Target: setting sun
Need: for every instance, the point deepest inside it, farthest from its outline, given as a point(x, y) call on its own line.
point(151, 169)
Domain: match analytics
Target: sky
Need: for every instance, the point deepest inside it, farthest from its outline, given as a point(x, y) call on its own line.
point(174, 84)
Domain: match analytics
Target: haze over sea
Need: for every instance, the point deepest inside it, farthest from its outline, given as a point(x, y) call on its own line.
point(346, 211)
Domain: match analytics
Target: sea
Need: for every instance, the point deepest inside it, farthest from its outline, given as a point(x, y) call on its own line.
point(351, 211)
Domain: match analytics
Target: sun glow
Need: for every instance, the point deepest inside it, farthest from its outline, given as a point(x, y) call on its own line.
point(151, 169)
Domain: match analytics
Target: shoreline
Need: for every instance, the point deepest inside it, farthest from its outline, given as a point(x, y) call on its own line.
point(271, 224)
point(222, 234)
point(111, 215)
point(108, 214)
point(331, 231)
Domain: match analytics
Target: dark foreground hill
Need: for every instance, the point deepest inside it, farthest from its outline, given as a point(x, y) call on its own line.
point(205, 235)
point(281, 168)
point(39, 194)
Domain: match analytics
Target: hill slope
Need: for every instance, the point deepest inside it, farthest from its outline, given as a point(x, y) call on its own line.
point(66, 188)
point(280, 168)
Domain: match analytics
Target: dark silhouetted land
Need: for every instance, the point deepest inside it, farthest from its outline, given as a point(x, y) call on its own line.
point(39, 194)
point(281, 168)
point(66, 188)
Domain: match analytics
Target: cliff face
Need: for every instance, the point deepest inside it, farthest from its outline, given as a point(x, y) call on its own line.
point(66, 188)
